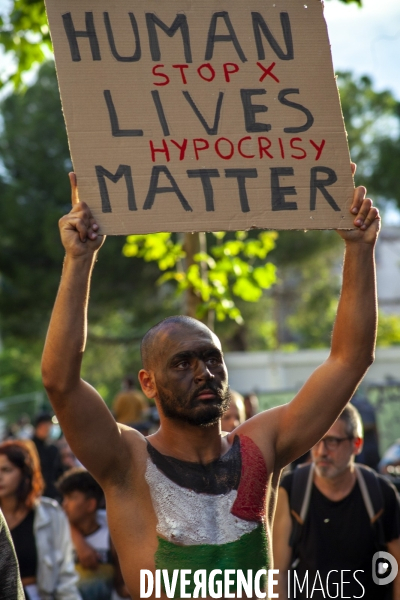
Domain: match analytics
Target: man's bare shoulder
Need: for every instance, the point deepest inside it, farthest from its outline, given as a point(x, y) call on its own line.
point(263, 430)
point(131, 465)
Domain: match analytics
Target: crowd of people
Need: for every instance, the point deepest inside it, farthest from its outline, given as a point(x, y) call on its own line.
point(54, 511)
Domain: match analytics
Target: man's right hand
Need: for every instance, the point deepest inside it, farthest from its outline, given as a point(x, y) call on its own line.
point(78, 229)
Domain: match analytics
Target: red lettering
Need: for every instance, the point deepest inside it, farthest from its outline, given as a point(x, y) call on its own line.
point(264, 149)
point(164, 150)
point(318, 148)
point(182, 71)
point(267, 71)
point(210, 69)
point(154, 71)
point(227, 72)
point(217, 150)
point(199, 148)
point(282, 148)
point(182, 148)
point(248, 137)
point(296, 156)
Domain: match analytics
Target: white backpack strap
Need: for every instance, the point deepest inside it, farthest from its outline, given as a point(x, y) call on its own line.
point(307, 495)
point(364, 493)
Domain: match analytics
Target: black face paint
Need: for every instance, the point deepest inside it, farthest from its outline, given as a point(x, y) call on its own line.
point(193, 411)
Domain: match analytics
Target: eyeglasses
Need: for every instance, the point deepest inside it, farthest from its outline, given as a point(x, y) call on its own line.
point(331, 442)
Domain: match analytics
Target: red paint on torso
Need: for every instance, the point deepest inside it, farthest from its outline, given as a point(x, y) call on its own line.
point(250, 503)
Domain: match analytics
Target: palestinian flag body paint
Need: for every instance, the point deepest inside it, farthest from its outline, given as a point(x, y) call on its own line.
point(210, 516)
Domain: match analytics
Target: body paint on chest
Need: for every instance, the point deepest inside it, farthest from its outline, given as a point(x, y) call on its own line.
point(210, 516)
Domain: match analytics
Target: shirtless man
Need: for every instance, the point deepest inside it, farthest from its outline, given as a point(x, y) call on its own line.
point(188, 497)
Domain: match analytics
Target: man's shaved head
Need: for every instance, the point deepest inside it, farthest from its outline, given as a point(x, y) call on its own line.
point(190, 381)
point(150, 347)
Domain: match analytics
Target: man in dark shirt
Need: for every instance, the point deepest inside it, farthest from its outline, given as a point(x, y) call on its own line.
point(49, 455)
point(337, 536)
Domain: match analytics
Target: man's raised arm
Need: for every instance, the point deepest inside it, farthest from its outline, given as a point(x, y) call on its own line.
point(84, 418)
point(296, 427)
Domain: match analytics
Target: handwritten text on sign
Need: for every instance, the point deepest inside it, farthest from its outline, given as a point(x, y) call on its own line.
point(186, 115)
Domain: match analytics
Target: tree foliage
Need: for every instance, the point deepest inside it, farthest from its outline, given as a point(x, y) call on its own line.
point(229, 268)
point(373, 124)
point(34, 194)
point(370, 118)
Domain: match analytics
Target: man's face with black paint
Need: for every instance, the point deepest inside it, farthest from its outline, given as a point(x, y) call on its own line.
point(190, 375)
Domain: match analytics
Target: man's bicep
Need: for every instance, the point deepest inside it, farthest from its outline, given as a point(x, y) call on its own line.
point(89, 428)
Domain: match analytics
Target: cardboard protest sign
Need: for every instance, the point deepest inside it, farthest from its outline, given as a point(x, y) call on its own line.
point(195, 116)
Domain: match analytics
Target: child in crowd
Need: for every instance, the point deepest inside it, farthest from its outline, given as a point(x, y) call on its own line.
point(96, 561)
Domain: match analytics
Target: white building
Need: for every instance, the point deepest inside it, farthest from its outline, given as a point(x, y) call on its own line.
point(388, 270)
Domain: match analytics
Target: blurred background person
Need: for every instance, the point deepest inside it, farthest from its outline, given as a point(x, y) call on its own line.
point(235, 415)
point(369, 454)
point(68, 458)
point(130, 405)
point(251, 405)
point(390, 463)
point(10, 580)
point(25, 428)
point(38, 526)
point(96, 561)
point(49, 455)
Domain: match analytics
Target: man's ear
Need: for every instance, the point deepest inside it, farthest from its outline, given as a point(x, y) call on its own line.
point(146, 379)
point(358, 445)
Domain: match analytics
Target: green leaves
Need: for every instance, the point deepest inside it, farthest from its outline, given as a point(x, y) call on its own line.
point(157, 247)
point(229, 268)
point(24, 34)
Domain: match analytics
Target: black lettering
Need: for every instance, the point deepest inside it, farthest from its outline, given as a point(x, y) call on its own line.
point(260, 24)
point(278, 193)
point(241, 175)
point(250, 110)
point(160, 112)
point(210, 130)
point(154, 189)
point(205, 176)
point(115, 130)
point(122, 171)
point(89, 32)
point(138, 52)
point(283, 100)
point(179, 23)
point(212, 38)
point(321, 184)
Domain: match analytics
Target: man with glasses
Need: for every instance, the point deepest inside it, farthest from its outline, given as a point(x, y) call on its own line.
point(330, 544)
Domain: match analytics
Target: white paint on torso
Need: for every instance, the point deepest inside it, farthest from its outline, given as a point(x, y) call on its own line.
point(186, 517)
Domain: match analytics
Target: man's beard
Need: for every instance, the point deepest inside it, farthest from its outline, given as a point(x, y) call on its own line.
point(196, 412)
